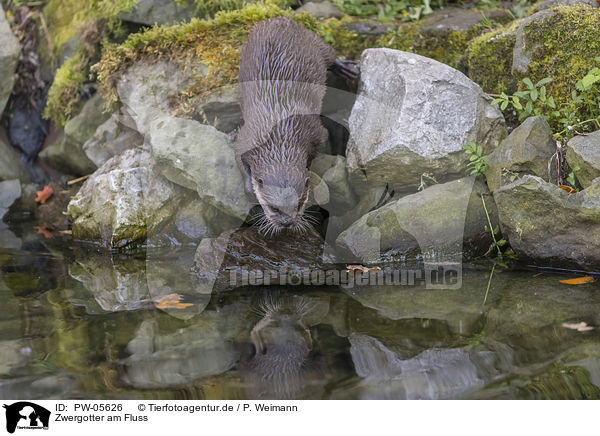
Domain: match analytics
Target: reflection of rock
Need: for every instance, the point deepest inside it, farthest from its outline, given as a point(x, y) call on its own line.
point(584, 152)
point(441, 221)
point(413, 115)
point(527, 150)
point(177, 356)
point(123, 201)
point(546, 224)
point(221, 262)
point(432, 374)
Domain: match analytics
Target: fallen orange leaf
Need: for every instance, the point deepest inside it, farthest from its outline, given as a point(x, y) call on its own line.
point(359, 268)
point(567, 188)
point(173, 305)
point(44, 194)
point(580, 327)
point(578, 280)
point(44, 231)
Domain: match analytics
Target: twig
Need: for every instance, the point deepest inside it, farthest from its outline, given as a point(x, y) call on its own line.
point(491, 227)
point(72, 182)
point(489, 284)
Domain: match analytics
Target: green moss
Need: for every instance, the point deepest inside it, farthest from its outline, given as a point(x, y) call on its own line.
point(447, 46)
point(63, 97)
point(489, 60)
point(208, 8)
point(565, 46)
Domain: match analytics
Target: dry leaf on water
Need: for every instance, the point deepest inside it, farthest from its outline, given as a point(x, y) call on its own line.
point(580, 327)
point(173, 305)
point(578, 280)
point(44, 231)
point(170, 301)
point(44, 194)
point(354, 269)
point(568, 189)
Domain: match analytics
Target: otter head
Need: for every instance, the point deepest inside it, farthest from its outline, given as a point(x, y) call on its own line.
point(282, 191)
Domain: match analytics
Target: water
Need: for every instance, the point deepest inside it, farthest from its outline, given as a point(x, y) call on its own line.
point(76, 323)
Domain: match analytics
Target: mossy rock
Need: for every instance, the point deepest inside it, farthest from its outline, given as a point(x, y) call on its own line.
point(561, 43)
point(445, 35)
point(489, 60)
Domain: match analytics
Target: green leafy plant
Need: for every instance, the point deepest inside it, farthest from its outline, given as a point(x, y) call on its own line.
point(571, 179)
point(387, 9)
point(533, 101)
point(477, 161)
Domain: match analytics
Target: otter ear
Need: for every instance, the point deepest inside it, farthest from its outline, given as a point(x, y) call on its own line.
point(319, 191)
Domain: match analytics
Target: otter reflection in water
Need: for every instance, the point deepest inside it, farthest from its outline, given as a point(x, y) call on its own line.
point(283, 361)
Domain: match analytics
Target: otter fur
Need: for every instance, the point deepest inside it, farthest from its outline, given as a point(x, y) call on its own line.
point(282, 77)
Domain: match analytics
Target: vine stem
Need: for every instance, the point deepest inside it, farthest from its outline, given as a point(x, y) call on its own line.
point(488, 285)
point(491, 227)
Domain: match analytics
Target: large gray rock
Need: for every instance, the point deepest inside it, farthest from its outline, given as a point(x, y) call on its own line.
point(441, 222)
point(66, 154)
point(123, 201)
point(9, 56)
point(150, 12)
point(584, 152)
point(527, 150)
point(547, 225)
point(413, 115)
point(111, 138)
point(201, 158)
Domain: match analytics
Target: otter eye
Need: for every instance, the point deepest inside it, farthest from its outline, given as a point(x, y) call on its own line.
point(276, 210)
point(307, 183)
point(259, 181)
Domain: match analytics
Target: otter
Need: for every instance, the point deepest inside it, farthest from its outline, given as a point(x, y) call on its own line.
point(281, 83)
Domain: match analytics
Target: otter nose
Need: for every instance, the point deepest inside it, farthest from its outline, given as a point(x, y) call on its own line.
point(286, 224)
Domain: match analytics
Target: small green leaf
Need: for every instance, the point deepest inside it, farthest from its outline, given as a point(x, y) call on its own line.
point(544, 81)
point(501, 242)
point(534, 94)
point(543, 93)
point(551, 102)
point(527, 81)
point(496, 101)
point(504, 105)
point(529, 107)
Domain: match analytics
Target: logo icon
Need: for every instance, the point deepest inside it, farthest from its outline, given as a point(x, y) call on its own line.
point(26, 415)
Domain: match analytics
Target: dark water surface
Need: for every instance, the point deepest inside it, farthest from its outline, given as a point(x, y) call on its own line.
point(77, 323)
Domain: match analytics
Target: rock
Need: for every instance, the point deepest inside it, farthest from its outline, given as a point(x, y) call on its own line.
point(584, 152)
point(442, 222)
point(11, 166)
point(123, 201)
point(195, 220)
point(523, 46)
point(10, 191)
point(368, 28)
point(547, 4)
point(224, 263)
point(66, 154)
point(413, 116)
point(112, 138)
point(561, 43)
point(458, 19)
point(549, 226)
point(332, 170)
point(9, 56)
point(200, 158)
point(527, 150)
point(489, 60)
point(219, 109)
point(150, 12)
point(324, 9)
point(145, 89)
